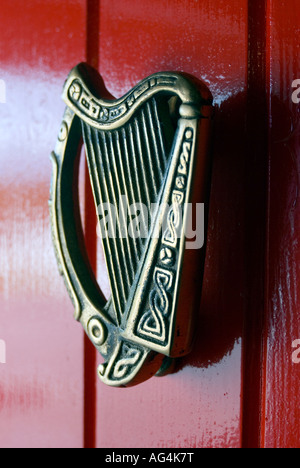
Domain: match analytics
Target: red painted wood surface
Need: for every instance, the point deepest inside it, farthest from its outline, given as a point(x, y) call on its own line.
point(240, 386)
point(200, 404)
point(281, 379)
point(41, 384)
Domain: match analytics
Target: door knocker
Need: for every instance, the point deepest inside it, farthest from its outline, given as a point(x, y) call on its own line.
point(148, 164)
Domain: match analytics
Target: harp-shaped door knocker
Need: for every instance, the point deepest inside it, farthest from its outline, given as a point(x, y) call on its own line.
point(147, 159)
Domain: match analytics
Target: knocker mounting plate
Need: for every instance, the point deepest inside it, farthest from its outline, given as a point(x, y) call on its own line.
point(147, 159)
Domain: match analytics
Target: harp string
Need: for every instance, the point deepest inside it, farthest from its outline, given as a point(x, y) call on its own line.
point(118, 190)
point(128, 192)
point(137, 150)
point(97, 182)
point(153, 138)
point(116, 257)
point(142, 186)
point(118, 242)
point(148, 156)
point(127, 162)
point(160, 138)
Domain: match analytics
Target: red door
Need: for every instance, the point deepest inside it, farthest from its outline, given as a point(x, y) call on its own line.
point(240, 385)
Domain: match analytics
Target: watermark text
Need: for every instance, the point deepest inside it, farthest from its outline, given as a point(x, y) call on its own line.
point(137, 221)
point(2, 352)
point(296, 353)
point(2, 92)
point(296, 93)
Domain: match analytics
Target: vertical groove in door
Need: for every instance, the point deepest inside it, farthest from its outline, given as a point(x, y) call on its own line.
point(256, 190)
point(90, 222)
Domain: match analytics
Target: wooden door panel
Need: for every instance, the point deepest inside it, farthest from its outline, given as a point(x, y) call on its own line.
point(281, 384)
point(41, 384)
point(240, 385)
point(200, 404)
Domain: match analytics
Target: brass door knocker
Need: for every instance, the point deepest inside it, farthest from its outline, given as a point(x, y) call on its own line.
point(147, 159)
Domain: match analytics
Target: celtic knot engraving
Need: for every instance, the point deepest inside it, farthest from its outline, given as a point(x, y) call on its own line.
point(155, 322)
point(124, 363)
point(152, 323)
point(174, 220)
point(130, 358)
point(92, 108)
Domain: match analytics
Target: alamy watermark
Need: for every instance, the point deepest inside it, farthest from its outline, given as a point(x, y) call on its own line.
point(2, 92)
point(296, 100)
point(137, 221)
point(2, 352)
point(296, 353)
point(296, 93)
